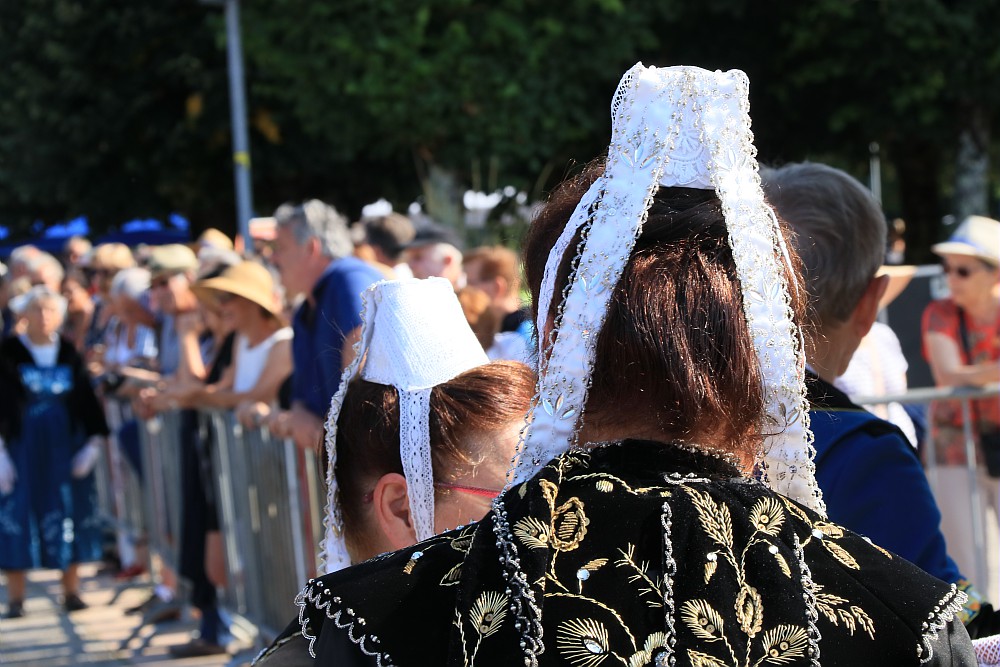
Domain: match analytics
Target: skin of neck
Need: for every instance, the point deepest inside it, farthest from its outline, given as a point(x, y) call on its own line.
point(259, 329)
point(317, 267)
point(830, 351)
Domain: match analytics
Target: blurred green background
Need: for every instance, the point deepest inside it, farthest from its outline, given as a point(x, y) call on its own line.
point(117, 109)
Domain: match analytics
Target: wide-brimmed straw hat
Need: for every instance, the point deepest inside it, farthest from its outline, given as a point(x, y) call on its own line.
point(977, 237)
point(249, 280)
point(900, 276)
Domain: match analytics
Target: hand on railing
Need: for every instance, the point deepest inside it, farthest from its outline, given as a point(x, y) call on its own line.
point(7, 473)
point(299, 424)
point(85, 459)
point(252, 414)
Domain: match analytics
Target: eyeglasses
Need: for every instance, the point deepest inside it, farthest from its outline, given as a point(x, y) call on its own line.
point(472, 490)
point(962, 272)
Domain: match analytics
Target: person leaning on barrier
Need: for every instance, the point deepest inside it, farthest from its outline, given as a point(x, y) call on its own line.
point(52, 431)
point(467, 431)
point(633, 531)
point(961, 336)
point(871, 478)
point(312, 253)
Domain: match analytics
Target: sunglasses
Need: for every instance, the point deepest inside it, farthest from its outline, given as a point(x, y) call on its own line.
point(959, 271)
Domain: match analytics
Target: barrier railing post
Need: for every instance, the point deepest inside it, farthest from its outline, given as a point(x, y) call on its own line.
point(975, 495)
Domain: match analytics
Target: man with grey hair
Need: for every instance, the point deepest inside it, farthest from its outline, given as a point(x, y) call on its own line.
point(871, 478)
point(312, 251)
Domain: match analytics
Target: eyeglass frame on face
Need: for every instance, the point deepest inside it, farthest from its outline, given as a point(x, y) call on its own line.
point(962, 272)
point(462, 488)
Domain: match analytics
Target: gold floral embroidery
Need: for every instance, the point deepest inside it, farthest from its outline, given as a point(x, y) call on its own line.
point(783, 644)
point(583, 642)
point(640, 574)
point(837, 611)
point(569, 525)
point(715, 518)
point(767, 516)
point(643, 657)
point(533, 533)
point(699, 659)
point(749, 610)
point(485, 619)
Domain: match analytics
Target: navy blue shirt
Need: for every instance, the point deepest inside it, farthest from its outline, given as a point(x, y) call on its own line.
point(872, 481)
point(320, 330)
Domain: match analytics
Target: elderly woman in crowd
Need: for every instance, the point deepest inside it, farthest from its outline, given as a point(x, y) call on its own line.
point(961, 337)
point(633, 530)
point(52, 429)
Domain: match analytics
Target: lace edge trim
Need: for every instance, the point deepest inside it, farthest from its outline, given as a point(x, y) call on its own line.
point(944, 611)
point(308, 597)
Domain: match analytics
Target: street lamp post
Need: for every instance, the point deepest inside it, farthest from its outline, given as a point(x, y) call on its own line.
point(238, 113)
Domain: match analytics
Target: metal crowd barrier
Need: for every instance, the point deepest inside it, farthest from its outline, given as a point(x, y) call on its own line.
point(925, 396)
point(268, 504)
point(120, 496)
point(268, 495)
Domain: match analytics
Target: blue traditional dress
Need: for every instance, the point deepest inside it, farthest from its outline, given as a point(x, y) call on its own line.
point(47, 412)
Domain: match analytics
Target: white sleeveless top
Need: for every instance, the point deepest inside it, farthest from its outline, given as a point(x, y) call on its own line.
point(250, 361)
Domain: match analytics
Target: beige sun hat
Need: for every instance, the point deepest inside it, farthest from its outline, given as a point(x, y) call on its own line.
point(249, 280)
point(977, 236)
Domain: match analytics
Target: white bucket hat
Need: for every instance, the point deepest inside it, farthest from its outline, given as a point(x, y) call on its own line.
point(977, 237)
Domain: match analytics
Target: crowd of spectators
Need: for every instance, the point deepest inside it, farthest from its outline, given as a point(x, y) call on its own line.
point(183, 327)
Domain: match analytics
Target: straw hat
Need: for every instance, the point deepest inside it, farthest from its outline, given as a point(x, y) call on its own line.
point(249, 280)
point(166, 260)
point(977, 237)
point(899, 277)
point(214, 238)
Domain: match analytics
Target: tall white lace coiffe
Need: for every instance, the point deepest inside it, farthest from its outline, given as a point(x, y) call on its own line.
point(414, 336)
point(684, 127)
point(671, 127)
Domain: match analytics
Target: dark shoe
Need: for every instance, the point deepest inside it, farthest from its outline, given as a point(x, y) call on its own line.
point(156, 610)
point(196, 648)
point(145, 605)
point(15, 609)
point(72, 602)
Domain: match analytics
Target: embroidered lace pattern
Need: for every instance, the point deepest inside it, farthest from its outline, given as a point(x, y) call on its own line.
point(415, 453)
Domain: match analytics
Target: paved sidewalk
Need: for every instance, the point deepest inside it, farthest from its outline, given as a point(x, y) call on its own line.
point(48, 637)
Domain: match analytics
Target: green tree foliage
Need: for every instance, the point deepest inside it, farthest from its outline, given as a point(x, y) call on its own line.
point(116, 109)
point(110, 109)
point(447, 83)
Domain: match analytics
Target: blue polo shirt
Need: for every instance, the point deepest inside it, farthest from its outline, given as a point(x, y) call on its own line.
point(320, 329)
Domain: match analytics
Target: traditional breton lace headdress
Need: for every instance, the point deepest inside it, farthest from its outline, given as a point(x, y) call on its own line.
point(684, 127)
point(414, 337)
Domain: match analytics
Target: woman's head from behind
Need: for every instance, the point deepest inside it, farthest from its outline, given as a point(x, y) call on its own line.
point(675, 347)
point(474, 423)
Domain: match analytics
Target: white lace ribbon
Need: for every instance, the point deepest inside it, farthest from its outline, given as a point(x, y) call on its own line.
point(415, 453)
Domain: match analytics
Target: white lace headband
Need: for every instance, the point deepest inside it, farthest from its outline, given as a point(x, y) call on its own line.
point(414, 337)
point(684, 127)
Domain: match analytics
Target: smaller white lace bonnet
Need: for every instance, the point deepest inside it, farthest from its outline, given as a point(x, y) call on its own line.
point(414, 336)
point(673, 127)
